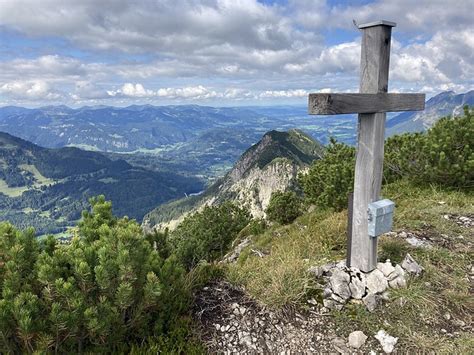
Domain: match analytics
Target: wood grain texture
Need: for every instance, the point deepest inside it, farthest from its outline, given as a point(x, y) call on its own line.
point(375, 57)
point(332, 104)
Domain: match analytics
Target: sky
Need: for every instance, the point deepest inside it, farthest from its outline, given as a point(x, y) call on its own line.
point(222, 52)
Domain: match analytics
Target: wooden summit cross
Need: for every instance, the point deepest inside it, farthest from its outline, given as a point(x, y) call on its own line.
point(371, 104)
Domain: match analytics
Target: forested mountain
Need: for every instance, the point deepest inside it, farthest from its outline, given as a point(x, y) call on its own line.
point(270, 165)
point(444, 104)
point(48, 188)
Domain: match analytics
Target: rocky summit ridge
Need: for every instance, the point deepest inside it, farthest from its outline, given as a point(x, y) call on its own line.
point(270, 165)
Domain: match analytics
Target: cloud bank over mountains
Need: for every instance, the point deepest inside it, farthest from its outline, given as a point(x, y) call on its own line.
point(221, 51)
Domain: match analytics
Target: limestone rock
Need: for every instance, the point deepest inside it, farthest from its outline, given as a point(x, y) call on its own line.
point(376, 281)
point(386, 268)
point(397, 272)
point(339, 282)
point(398, 282)
point(357, 285)
point(234, 255)
point(418, 243)
point(316, 271)
point(340, 345)
point(370, 301)
point(397, 278)
point(387, 341)
point(411, 266)
point(357, 339)
point(331, 304)
point(326, 269)
point(327, 292)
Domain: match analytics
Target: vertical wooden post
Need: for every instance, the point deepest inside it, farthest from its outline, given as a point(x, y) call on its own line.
point(374, 67)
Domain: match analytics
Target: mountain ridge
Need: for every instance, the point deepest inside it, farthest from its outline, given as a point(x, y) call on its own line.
point(270, 165)
point(446, 103)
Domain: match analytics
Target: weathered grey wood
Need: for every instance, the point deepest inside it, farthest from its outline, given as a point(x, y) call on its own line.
point(331, 104)
point(349, 227)
point(375, 57)
point(377, 23)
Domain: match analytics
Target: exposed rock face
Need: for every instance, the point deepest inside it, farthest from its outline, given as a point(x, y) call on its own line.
point(270, 165)
point(345, 284)
point(255, 190)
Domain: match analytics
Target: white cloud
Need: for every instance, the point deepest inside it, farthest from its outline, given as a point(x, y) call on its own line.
point(199, 92)
point(29, 90)
point(423, 16)
point(283, 93)
point(446, 58)
point(227, 49)
point(138, 91)
point(168, 25)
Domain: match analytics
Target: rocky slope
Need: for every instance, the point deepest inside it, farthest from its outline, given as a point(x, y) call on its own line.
point(443, 104)
point(270, 165)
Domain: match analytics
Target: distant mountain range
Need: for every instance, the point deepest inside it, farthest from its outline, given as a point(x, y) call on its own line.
point(116, 129)
point(191, 139)
point(270, 165)
point(444, 104)
point(195, 140)
point(48, 188)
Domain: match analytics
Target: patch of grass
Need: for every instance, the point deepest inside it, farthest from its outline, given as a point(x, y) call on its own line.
point(416, 314)
point(12, 191)
point(423, 207)
point(393, 249)
point(281, 277)
point(40, 179)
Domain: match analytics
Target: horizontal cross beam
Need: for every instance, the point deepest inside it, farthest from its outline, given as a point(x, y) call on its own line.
point(333, 104)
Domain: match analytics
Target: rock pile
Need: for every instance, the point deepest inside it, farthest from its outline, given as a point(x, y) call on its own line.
point(343, 284)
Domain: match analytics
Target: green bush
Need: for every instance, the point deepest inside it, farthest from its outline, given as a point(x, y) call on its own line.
point(255, 227)
point(105, 291)
point(443, 155)
point(330, 179)
point(284, 207)
point(208, 234)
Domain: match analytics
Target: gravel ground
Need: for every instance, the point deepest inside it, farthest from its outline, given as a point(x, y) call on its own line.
point(230, 322)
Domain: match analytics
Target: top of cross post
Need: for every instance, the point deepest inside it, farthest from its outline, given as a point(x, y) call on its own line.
point(377, 23)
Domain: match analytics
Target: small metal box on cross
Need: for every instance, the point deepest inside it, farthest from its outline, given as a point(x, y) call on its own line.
point(371, 104)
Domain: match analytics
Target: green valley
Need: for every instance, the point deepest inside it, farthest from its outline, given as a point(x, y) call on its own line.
point(48, 188)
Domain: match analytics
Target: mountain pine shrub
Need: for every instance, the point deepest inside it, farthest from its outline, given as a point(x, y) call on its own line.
point(105, 291)
point(284, 207)
point(208, 234)
point(331, 178)
point(443, 155)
